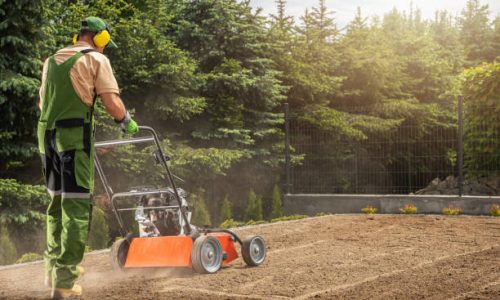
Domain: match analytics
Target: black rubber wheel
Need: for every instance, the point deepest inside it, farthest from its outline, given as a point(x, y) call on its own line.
point(253, 250)
point(206, 256)
point(118, 253)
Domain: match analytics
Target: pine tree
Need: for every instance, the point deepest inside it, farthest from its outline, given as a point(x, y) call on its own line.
point(225, 210)
point(277, 208)
point(254, 207)
point(8, 253)
point(99, 230)
point(201, 216)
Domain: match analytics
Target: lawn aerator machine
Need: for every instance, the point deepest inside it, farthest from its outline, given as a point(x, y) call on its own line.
point(166, 237)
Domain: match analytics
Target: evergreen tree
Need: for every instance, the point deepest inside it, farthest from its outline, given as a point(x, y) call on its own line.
point(99, 230)
point(277, 206)
point(254, 207)
point(475, 32)
point(225, 210)
point(201, 216)
point(8, 253)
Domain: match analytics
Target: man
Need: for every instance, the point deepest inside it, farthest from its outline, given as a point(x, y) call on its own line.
point(71, 80)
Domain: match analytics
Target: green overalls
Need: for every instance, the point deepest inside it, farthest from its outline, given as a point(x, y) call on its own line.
point(66, 143)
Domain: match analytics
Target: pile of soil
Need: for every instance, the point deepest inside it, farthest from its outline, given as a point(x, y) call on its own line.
point(331, 257)
point(485, 186)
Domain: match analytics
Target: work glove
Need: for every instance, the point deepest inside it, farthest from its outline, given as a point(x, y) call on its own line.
point(128, 125)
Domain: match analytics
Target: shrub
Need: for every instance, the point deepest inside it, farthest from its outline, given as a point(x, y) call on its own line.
point(252, 222)
point(277, 204)
point(201, 216)
point(99, 230)
point(29, 257)
point(230, 223)
point(452, 210)
point(254, 207)
point(495, 210)
point(323, 213)
point(289, 218)
point(225, 210)
point(369, 210)
point(8, 253)
point(409, 209)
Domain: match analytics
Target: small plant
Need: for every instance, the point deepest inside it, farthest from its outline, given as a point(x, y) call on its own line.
point(254, 207)
point(369, 210)
point(409, 209)
point(323, 213)
point(277, 204)
point(230, 223)
point(28, 257)
point(225, 210)
point(252, 222)
point(495, 210)
point(289, 218)
point(452, 210)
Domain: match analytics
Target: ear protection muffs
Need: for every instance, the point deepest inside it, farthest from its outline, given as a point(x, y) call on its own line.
point(101, 39)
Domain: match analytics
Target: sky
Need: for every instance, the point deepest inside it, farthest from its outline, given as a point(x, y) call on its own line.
point(345, 10)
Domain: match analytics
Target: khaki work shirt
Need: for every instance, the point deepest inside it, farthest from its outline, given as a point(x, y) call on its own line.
point(90, 74)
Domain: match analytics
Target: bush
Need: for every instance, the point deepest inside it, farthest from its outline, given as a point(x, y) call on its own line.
point(201, 216)
point(99, 230)
point(29, 257)
point(8, 253)
point(252, 222)
point(409, 209)
point(323, 213)
point(277, 205)
point(225, 210)
point(230, 223)
point(452, 210)
point(495, 210)
point(369, 210)
point(254, 207)
point(289, 218)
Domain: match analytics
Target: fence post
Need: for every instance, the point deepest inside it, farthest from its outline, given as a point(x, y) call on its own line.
point(460, 146)
point(287, 148)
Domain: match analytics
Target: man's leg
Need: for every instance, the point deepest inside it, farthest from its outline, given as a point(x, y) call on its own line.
point(50, 167)
point(76, 209)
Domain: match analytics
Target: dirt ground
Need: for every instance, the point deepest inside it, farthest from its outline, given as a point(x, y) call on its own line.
point(331, 257)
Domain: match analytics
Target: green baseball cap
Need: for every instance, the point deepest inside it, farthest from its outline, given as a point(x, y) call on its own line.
point(95, 24)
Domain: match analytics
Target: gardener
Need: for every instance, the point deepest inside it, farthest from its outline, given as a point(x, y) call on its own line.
point(71, 81)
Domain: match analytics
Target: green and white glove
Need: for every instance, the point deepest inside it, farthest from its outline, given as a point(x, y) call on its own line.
point(128, 125)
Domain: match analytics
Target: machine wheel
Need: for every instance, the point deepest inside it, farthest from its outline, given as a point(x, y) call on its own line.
point(206, 255)
point(118, 253)
point(253, 250)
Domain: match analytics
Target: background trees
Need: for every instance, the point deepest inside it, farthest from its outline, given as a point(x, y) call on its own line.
point(212, 75)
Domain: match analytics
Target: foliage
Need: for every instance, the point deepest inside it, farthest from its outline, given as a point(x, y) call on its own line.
point(252, 222)
point(277, 206)
point(289, 218)
point(225, 210)
point(99, 230)
point(8, 253)
point(481, 89)
point(201, 216)
point(451, 210)
point(495, 210)
point(409, 209)
point(230, 223)
point(29, 257)
point(22, 205)
point(369, 210)
point(323, 213)
point(254, 207)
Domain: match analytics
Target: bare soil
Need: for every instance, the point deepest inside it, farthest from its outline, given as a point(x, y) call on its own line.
point(331, 257)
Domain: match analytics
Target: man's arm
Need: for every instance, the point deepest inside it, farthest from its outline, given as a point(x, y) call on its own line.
point(114, 105)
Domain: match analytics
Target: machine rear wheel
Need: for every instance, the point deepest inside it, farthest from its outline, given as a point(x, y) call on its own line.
point(206, 256)
point(118, 253)
point(253, 250)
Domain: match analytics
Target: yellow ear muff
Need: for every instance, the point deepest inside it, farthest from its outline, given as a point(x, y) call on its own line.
point(75, 38)
point(101, 39)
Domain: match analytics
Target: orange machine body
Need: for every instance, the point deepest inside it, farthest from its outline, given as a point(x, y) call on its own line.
point(170, 251)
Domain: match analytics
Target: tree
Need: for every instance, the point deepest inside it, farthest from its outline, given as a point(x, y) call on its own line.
point(277, 206)
point(21, 37)
point(201, 216)
point(8, 253)
point(99, 230)
point(225, 210)
point(254, 207)
point(475, 32)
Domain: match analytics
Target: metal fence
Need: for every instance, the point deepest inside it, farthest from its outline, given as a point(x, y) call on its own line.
point(401, 161)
